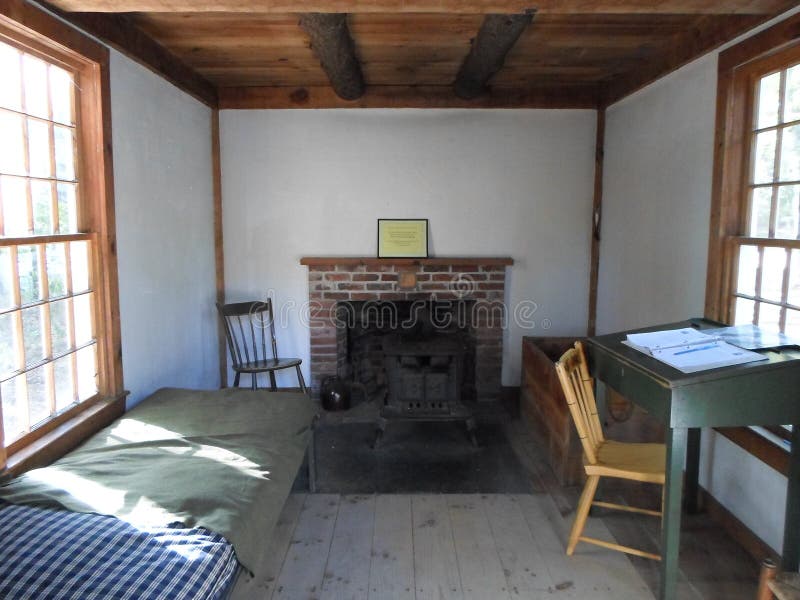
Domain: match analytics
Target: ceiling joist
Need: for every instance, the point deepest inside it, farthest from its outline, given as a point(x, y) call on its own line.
point(495, 38)
point(331, 42)
point(422, 6)
point(390, 96)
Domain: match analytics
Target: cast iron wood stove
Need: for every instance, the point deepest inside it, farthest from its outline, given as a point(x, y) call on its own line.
point(424, 374)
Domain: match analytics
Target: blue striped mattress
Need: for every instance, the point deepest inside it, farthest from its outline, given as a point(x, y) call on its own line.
point(63, 555)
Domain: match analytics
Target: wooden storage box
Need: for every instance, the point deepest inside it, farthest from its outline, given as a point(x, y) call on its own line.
point(543, 405)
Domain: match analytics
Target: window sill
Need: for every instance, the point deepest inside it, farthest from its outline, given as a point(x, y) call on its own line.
point(759, 446)
point(65, 437)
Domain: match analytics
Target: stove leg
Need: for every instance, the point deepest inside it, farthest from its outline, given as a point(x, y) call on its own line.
point(379, 432)
point(471, 426)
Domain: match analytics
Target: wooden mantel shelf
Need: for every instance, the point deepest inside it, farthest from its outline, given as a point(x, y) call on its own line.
point(370, 261)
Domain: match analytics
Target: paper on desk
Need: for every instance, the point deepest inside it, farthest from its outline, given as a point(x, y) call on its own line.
point(670, 338)
point(753, 337)
point(699, 357)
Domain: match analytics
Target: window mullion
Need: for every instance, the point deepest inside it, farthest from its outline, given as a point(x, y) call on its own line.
point(47, 340)
point(785, 291)
point(20, 381)
point(73, 360)
point(759, 273)
point(776, 170)
point(52, 137)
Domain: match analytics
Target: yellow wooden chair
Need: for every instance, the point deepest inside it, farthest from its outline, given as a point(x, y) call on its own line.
point(602, 457)
point(775, 585)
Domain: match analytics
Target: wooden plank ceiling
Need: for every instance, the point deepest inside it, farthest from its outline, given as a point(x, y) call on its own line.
point(559, 53)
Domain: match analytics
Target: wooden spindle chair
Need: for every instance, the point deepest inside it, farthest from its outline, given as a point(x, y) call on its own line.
point(775, 585)
point(247, 326)
point(602, 457)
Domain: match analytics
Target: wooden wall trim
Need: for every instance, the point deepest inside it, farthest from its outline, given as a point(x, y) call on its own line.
point(741, 534)
point(597, 213)
point(103, 165)
point(219, 252)
point(65, 437)
point(370, 261)
point(687, 46)
point(119, 32)
point(759, 446)
point(26, 18)
point(414, 6)
point(761, 44)
point(404, 97)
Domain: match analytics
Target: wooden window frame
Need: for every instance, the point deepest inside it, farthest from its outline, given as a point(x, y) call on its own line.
point(36, 32)
point(738, 69)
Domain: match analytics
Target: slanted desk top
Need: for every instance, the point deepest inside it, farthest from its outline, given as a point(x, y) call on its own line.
point(758, 393)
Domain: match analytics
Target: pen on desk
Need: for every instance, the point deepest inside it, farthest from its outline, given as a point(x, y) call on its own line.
point(707, 347)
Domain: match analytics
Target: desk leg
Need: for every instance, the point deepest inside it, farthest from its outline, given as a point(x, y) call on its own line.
point(692, 470)
point(671, 524)
point(791, 527)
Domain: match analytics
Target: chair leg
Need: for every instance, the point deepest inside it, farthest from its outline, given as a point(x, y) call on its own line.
point(254, 381)
point(236, 379)
point(273, 386)
point(582, 513)
point(769, 570)
point(300, 379)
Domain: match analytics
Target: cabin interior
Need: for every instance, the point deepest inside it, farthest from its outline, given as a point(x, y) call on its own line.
point(594, 167)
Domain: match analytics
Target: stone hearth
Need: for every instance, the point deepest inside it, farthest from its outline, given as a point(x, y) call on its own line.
point(332, 280)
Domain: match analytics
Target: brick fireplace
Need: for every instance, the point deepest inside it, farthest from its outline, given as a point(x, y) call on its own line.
point(476, 282)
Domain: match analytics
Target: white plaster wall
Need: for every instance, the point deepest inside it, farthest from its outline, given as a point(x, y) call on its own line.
point(164, 216)
point(492, 182)
point(656, 207)
point(656, 201)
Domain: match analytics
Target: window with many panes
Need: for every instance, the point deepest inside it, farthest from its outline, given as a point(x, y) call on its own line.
point(767, 284)
point(754, 252)
point(48, 352)
point(59, 337)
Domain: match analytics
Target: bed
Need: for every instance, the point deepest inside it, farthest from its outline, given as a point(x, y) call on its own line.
point(172, 500)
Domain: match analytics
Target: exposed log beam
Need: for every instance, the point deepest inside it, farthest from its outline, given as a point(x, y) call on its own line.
point(427, 6)
point(393, 96)
point(331, 42)
point(119, 32)
point(495, 38)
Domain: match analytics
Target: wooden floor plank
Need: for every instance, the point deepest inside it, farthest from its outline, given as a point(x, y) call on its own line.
point(275, 550)
point(591, 571)
point(347, 571)
point(482, 574)
point(607, 571)
point(304, 566)
point(550, 541)
point(523, 562)
point(391, 575)
point(435, 567)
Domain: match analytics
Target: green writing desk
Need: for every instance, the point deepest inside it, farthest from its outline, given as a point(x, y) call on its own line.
point(758, 393)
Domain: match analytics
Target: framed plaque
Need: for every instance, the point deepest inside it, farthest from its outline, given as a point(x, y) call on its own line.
point(402, 238)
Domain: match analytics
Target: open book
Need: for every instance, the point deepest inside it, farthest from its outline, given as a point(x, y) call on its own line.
point(690, 350)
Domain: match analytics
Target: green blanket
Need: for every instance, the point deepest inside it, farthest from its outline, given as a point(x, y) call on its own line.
point(224, 460)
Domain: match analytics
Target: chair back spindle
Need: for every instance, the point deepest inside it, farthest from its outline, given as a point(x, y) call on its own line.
point(245, 329)
point(246, 326)
point(577, 385)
